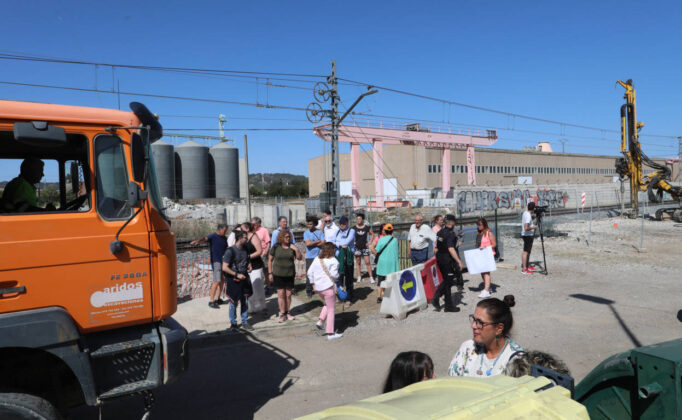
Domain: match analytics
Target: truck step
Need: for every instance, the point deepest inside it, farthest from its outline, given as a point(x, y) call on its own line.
point(125, 346)
point(127, 389)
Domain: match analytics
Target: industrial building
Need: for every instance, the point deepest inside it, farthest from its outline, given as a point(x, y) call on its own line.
point(415, 167)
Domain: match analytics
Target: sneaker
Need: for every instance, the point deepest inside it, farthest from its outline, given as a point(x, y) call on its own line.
point(371, 280)
point(319, 325)
point(234, 327)
point(213, 305)
point(531, 268)
point(451, 309)
point(290, 317)
point(526, 271)
point(220, 301)
point(436, 304)
point(309, 294)
point(247, 327)
point(484, 294)
point(379, 300)
point(334, 336)
point(281, 318)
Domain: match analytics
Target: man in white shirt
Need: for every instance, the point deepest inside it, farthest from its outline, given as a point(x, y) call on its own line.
point(527, 233)
point(420, 238)
point(328, 226)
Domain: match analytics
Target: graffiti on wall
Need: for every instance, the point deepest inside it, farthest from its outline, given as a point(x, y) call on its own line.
point(470, 201)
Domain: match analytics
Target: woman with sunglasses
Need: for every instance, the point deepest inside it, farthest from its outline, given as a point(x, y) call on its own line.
point(491, 348)
point(484, 239)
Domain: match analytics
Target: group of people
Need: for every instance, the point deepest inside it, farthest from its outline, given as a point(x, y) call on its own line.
point(242, 262)
point(249, 261)
point(490, 352)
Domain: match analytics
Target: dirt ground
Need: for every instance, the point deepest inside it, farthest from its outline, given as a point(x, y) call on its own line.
point(602, 296)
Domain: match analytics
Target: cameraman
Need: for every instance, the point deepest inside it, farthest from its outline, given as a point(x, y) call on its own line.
point(527, 233)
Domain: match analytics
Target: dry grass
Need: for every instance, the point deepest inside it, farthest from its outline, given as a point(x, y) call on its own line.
point(190, 229)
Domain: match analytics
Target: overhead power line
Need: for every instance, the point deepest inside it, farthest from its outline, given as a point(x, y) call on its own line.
point(491, 110)
point(373, 117)
point(151, 95)
point(237, 129)
point(233, 118)
point(7, 56)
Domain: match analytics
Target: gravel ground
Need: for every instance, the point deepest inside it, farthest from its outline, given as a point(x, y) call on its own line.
point(602, 296)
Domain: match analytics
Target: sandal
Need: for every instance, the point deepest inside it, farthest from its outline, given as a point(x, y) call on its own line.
point(290, 317)
point(282, 318)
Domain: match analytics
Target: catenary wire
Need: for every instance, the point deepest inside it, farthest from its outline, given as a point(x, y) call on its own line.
point(150, 95)
point(491, 110)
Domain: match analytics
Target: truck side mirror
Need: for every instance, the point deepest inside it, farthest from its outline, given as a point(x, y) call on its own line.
point(139, 157)
point(136, 196)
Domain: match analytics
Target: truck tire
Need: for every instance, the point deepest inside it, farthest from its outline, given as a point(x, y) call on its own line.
point(17, 406)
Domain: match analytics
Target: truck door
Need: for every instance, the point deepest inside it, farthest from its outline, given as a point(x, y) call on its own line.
point(57, 253)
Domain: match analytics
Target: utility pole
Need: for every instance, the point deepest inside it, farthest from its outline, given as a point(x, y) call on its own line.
point(314, 112)
point(679, 155)
point(336, 190)
point(248, 193)
point(563, 145)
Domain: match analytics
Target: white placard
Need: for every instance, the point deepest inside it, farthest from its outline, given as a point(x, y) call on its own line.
point(480, 261)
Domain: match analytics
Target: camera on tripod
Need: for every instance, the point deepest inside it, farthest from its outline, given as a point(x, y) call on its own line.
point(540, 211)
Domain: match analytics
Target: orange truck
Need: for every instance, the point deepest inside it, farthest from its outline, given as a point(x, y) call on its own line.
point(87, 261)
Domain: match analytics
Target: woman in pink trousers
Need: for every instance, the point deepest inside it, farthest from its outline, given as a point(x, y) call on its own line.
point(323, 273)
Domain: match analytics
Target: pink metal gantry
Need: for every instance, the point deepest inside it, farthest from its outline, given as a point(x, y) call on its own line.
point(379, 133)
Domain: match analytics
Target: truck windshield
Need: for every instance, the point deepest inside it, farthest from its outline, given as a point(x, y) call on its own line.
point(153, 186)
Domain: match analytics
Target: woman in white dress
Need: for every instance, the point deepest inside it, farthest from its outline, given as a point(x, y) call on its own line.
point(491, 348)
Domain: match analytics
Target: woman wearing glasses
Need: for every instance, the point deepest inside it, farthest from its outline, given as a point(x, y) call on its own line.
point(488, 353)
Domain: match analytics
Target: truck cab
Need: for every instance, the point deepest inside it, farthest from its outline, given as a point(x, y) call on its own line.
point(87, 259)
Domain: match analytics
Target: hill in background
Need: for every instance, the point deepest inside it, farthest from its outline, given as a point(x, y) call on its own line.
point(278, 184)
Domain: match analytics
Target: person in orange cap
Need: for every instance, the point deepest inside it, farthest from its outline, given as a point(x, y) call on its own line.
point(386, 258)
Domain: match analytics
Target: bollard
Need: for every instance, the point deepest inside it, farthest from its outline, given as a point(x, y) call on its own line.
point(641, 238)
point(589, 236)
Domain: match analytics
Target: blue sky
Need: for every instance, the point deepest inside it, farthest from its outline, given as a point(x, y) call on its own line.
point(551, 60)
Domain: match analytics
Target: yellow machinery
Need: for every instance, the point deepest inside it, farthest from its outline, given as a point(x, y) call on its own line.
point(630, 166)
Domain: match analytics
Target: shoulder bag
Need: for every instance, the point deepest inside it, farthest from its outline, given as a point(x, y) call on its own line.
point(376, 258)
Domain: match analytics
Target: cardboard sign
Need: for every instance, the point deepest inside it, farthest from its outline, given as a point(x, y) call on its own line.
point(480, 261)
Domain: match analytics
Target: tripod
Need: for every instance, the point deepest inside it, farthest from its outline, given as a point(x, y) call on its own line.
point(542, 242)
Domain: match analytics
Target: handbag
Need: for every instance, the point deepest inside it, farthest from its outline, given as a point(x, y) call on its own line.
point(376, 259)
point(340, 291)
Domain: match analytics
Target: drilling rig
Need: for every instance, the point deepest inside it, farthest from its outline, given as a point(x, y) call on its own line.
point(630, 165)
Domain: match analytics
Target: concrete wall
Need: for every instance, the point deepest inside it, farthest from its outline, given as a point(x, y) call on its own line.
point(269, 213)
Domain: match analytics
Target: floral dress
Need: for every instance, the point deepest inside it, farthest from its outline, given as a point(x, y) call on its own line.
point(470, 360)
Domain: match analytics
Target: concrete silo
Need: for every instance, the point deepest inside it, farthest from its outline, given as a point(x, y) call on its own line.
point(164, 160)
point(191, 170)
point(226, 166)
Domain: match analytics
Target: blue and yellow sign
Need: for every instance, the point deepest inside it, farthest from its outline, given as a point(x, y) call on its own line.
point(408, 285)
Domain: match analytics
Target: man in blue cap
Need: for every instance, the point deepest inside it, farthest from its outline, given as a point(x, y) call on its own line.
point(344, 240)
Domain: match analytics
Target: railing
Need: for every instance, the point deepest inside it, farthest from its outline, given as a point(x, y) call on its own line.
point(421, 127)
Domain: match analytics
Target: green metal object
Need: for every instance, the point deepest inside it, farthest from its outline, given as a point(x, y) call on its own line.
point(643, 383)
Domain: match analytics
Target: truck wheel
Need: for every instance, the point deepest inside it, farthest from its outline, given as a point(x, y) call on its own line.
point(16, 406)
